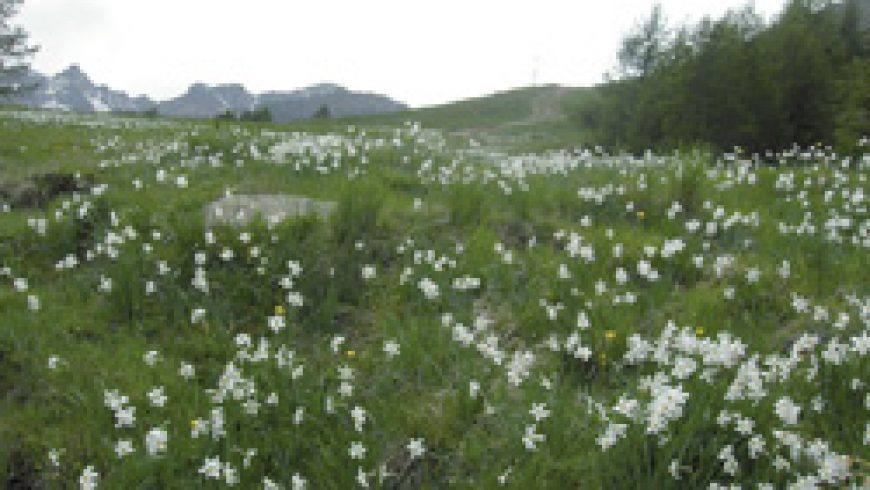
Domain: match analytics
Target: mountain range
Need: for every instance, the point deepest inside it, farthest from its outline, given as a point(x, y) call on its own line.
point(72, 89)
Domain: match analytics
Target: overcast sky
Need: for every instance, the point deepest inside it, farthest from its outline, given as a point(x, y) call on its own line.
point(419, 52)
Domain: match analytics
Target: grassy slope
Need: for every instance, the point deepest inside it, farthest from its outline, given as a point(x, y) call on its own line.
point(102, 336)
point(505, 120)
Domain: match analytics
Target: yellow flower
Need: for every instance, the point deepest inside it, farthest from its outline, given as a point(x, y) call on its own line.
point(279, 310)
point(351, 354)
point(640, 215)
point(610, 334)
point(699, 331)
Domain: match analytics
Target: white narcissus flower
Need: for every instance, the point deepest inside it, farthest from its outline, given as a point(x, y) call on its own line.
point(157, 397)
point(125, 417)
point(357, 450)
point(211, 468)
point(359, 418)
point(186, 371)
point(297, 482)
point(416, 448)
point(268, 484)
point(362, 478)
point(474, 389)
point(155, 441)
point(539, 411)
point(391, 348)
point(123, 447)
point(369, 272)
point(787, 410)
point(88, 479)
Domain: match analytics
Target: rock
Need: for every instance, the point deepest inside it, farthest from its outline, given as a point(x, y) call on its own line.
point(243, 208)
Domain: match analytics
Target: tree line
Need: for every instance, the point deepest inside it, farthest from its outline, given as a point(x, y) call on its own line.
point(802, 79)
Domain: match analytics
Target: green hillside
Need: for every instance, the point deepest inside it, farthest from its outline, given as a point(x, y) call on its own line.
point(468, 316)
point(523, 119)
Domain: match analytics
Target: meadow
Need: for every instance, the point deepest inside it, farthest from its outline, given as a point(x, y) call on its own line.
point(538, 315)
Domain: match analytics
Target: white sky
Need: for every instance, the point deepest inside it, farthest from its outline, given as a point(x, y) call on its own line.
point(418, 52)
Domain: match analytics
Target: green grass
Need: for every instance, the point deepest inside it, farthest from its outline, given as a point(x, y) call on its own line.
point(417, 210)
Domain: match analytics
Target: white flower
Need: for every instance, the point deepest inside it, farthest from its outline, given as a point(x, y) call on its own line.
point(54, 457)
point(416, 448)
point(151, 357)
point(539, 411)
point(157, 396)
point(357, 450)
point(531, 438)
point(196, 315)
point(269, 484)
point(88, 480)
point(359, 418)
point(186, 371)
point(684, 367)
point(502, 478)
point(666, 405)
point(781, 463)
point(582, 320)
point(125, 417)
point(752, 275)
point(297, 482)
point(345, 389)
point(155, 441)
point(276, 323)
point(744, 426)
point(861, 345)
point(756, 446)
point(787, 410)
point(612, 434)
point(362, 478)
point(474, 389)
point(123, 447)
point(251, 406)
point(626, 406)
point(429, 288)
point(53, 361)
point(391, 348)
point(674, 469)
point(294, 298)
point(211, 468)
point(369, 272)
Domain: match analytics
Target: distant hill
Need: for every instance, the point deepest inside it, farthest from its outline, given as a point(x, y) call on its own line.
point(523, 119)
point(73, 90)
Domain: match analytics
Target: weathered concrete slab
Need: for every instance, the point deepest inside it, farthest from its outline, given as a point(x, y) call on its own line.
point(243, 208)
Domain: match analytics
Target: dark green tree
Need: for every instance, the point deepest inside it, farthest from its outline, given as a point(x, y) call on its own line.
point(735, 81)
point(262, 114)
point(642, 49)
point(15, 50)
point(322, 112)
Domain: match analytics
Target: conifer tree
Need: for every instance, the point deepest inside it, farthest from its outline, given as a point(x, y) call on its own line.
point(15, 50)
